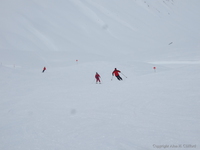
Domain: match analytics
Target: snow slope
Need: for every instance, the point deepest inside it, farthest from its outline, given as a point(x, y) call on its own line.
point(63, 108)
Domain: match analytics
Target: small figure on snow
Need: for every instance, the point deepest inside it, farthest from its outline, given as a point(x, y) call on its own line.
point(97, 76)
point(116, 73)
point(44, 69)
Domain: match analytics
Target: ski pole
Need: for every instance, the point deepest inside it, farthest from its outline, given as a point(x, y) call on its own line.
point(111, 78)
point(124, 75)
point(93, 81)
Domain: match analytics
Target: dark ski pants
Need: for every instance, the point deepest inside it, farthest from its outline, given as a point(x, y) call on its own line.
point(118, 77)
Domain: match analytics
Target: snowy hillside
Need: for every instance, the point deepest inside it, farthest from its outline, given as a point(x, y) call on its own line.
point(63, 108)
point(74, 29)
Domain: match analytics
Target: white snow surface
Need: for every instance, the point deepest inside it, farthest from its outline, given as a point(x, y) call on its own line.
point(63, 108)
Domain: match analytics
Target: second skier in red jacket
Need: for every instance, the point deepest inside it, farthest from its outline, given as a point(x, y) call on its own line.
point(97, 76)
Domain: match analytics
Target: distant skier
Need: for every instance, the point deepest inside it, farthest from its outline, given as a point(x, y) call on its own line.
point(44, 69)
point(97, 76)
point(116, 73)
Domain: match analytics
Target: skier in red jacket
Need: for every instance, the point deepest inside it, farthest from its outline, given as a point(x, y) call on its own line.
point(116, 73)
point(97, 76)
point(44, 69)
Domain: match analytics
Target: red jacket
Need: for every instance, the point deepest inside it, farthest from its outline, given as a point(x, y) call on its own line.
point(116, 72)
point(97, 76)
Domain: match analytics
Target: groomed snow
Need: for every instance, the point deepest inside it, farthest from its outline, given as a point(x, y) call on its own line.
point(63, 108)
